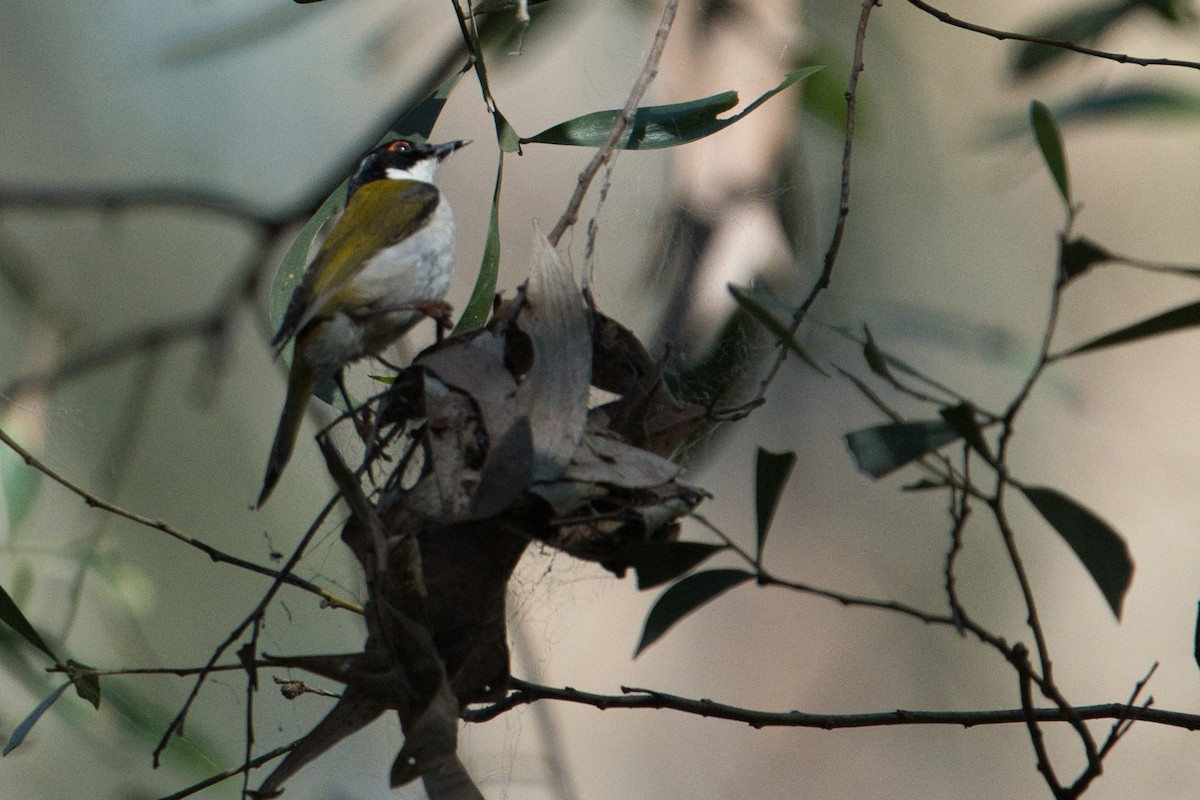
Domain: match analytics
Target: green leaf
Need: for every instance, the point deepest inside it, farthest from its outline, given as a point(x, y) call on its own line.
point(1136, 101)
point(1176, 319)
point(770, 476)
point(885, 448)
point(754, 307)
point(87, 685)
point(21, 731)
point(295, 260)
point(1196, 640)
point(964, 422)
point(480, 303)
point(506, 135)
point(1078, 256)
point(685, 597)
point(655, 127)
point(420, 119)
point(253, 30)
point(888, 366)
point(824, 97)
point(924, 485)
point(1049, 141)
point(1083, 27)
point(12, 616)
point(1099, 548)
point(876, 359)
point(1086, 25)
point(19, 483)
point(490, 6)
point(659, 562)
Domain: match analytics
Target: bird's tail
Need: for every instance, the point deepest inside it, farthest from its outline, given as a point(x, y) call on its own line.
point(301, 381)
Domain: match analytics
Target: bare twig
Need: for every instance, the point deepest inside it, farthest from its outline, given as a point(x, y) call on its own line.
point(995, 33)
point(119, 199)
point(253, 763)
point(959, 511)
point(1024, 677)
point(148, 339)
point(123, 443)
point(1122, 724)
point(524, 693)
point(215, 554)
point(839, 228)
point(605, 153)
point(765, 578)
point(252, 618)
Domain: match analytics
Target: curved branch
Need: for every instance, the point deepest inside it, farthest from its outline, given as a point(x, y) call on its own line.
point(525, 693)
point(280, 576)
point(624, 120)
point(995, 33)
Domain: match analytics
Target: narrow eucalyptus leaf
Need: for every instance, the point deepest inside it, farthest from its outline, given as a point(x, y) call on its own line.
point(295, 260)
point(420, 119)
point(1177, 319)
point(962, 418)
point(1049, 141)
point(752, 306)
point(1081, 26)
point(885, 448)
point(1099, 548)
point(11, 615)
point(659, 562)
point(1077, 256)
point(480, 303)
point(87, 684)
point(770, 476)
point(923, 485)
point(876, 359)
point(685, 597)
point(656, 127)
point(22, 730)
point(1129, 102)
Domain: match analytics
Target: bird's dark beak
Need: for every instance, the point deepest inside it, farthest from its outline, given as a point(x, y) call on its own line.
point(443, 150)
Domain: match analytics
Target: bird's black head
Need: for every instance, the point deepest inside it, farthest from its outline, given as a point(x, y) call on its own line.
point(400, 159)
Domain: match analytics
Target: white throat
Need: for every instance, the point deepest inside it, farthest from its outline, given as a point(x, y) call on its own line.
point(421, 171)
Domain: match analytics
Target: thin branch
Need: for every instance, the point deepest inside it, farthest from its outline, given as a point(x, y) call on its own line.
point(839, 228)
point(146, 340)
point(525, 693)
point(124, 441)
point(119, 199)
point(1024, 677)
point(1002, 35)
point(252, 618)
point(765, 578)
point(605, 153)
point(253, 763)
point(1122, 725)
point(219, 556)
point(960, 510)
point(179, 671)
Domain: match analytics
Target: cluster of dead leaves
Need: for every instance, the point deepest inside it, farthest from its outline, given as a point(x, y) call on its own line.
point(507, 449)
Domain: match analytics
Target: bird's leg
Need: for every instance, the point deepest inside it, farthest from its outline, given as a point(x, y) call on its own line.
point(440, 312)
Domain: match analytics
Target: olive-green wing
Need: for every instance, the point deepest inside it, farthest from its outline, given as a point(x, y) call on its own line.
point(380, 214)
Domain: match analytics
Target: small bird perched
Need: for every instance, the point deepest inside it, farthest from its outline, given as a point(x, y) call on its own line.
point(386, 263)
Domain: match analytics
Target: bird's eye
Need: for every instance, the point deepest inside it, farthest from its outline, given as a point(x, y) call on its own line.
point(400, 146)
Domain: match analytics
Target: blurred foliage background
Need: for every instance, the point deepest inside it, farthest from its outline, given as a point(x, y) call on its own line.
point(949, 257)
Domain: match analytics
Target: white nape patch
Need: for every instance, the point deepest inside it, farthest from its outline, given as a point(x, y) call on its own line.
point(421, 171)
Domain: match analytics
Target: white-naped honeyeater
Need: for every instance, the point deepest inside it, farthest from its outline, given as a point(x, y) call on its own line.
point(386, 263)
